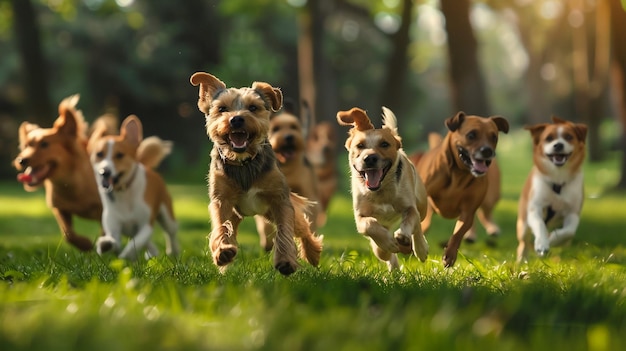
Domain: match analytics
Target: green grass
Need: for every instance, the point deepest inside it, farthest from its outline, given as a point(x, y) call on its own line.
point(53, 297)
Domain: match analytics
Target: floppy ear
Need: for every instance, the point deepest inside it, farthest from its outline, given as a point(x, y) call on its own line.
point(581, 131)
point(535, 131)
point(132, 130)
point(209, 85)
point(274, 95)
point(454, 123)
point(356, 118)
point(501, 123)
point(23, 131)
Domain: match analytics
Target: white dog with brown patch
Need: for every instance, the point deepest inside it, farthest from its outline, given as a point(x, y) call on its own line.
point(386, 190)
point(553, 192)
point(133, 195)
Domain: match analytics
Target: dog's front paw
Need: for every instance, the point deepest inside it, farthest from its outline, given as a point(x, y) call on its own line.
point(404, 242)
point(105, 244)
point(387, 243)
point(449, 257)
point(224, 255)
point(542, 246)
point(285, 268)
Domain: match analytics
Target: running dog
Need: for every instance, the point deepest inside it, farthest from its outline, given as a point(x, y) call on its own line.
point(454, 173)
point(321, 151)
point(552, 196)
point(133, 195)
point(386, 190)
point(57, 157)
point(244, 178)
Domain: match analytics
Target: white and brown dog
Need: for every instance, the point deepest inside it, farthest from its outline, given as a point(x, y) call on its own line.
point(386, 190)
point(133, 195)
point(553, 192)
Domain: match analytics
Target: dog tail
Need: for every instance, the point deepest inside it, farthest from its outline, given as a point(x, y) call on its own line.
point(434, 139)
point(153, 150)
point(310, 244)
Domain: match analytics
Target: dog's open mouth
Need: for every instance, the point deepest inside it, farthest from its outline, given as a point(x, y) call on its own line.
point(109, 183)
point(478, 167)
point(238, 140)
point(286, 153)
point(374, 176)
point(33, 176)
point(559, 159)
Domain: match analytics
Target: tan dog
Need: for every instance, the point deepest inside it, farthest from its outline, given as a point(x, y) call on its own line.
point(485, 211)
point(321, 151)
point(133, 195)
point(57, 158)
point(552, 196)
point(454, 173)
point(288, 142)
point(244, 179)
point(386, 190)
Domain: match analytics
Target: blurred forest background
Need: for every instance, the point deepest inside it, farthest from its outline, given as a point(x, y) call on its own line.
point(425, 59)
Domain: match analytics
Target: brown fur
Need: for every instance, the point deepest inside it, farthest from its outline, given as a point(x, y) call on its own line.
point(386, 189)
point(57, 158)
point(244, 178)
point(287, 139)
point(455, 188)
point(321, 151)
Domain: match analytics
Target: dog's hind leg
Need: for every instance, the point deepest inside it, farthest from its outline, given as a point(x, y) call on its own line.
point(390, 259)
point(285, 255)
point(64, 219)
point(567, 232)
point(310, 244)
point(267, 232)
point(170, 226)
point(138, 243)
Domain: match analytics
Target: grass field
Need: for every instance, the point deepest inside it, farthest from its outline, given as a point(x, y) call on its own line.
point(54, 298)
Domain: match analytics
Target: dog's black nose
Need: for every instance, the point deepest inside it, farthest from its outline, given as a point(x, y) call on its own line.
point(486, 152)
point(236, 122)
point(23, 161)
point(289, 139)
point(371, 160)
point(105, 172)
point(558, 147)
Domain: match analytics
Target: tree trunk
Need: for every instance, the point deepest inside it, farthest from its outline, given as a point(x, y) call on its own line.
point(394, 91)
point(618, 28)
point(37, 105)
point(468, 86)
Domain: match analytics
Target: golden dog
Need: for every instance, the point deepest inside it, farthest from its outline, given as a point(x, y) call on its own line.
point(454, 170)
point(288, 142)
point(386, 190)
point(244, 179)
point(552, 197)
point(321, 151)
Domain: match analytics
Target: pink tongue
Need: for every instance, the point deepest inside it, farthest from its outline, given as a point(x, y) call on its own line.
point(373, 178)
point(24, 178)
point(480, 166)
point(239, 140)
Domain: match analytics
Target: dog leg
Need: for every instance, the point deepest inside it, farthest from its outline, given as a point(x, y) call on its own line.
point(463, 224)
point(285, 255)
point(427, 219)
point(64, 219)
point(138, 243)
point(484, 215)
point(310, 244)
point(410, 234)
point(110, 241)
point(522, 239)
point(170, 226)
point(223, 238)
point(267, 233)
point(389, 258)
point(370, 227)
point(151, 250)
point(538, 227)
point(560, 236)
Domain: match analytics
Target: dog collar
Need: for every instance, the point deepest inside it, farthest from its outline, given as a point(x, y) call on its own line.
point(130, 180)
point(557, 187)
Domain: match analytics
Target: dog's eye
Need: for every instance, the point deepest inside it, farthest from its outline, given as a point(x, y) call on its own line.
point(471, 135)
point(275, 129)
point(494, 138)
point(222, 109)
point(43, 144)
point(360, 146)
point(568, 137)
point(119, 156)
point(252, 108)
point(99, 154)
point(549, 138)
point(384, 144)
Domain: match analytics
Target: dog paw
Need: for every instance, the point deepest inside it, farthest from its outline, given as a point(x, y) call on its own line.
point(225, 256)
point(404, 243)
point(542, 247)
point(285, 268)
point(542, 252)
point(449, 258)
point(105, 244)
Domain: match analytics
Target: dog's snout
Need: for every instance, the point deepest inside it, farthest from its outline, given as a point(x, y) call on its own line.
point(22, 161)
point(371, 160)
point(558, 147)
point(486, 152)
point(289, 139)
point(105, 172)
point(236, 122)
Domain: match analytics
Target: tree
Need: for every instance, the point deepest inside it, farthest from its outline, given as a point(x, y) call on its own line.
point(467, 83)
point(618, 28)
